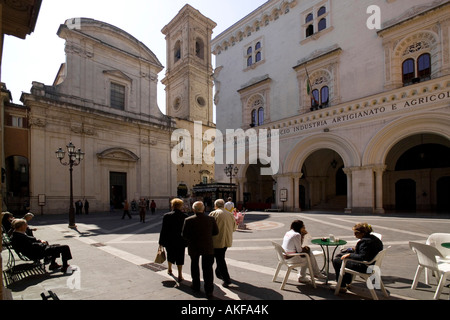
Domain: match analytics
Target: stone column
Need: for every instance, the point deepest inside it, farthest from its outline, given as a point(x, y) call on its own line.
point(240, 183)
point(379, 170)
point(363, 187)
point(348, 172)
point(296, 196)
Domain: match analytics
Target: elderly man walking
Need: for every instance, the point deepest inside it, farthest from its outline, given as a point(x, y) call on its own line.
point(227, 225)
point(198, 230)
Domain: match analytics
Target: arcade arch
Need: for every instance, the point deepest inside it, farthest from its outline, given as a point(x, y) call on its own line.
point(411, 182)
point(316, 165)
point(417, 173)
point(323, 183)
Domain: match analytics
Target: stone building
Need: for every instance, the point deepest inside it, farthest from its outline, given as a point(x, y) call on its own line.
point(104, 101)
point(18, 19)
point(358, 94)
point(189, 93)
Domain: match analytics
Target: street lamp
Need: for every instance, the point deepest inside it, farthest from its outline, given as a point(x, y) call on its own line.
point(75, 158)
point(231, 171)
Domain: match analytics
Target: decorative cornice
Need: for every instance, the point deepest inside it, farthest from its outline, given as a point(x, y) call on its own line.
point(81, 129)
point(255, 81)
point(429, 94)
point(411, 14)
point(319, 54)
point(253, 22)
point(117, 74)
point(185, 12)
point(120, 154)
point(147, 141)
point(37, 122)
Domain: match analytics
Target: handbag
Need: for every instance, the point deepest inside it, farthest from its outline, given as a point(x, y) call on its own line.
point(161, 255)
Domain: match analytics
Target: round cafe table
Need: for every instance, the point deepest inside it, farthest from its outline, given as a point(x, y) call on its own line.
point(327, 243)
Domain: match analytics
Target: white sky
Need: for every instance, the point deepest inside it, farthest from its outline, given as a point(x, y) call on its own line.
point(39, 56)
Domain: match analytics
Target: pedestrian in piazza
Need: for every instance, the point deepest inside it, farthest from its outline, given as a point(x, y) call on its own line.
point(198, 230)
point(223, 240)
point(153, 207)
point(171, 239)
point(142, 207)
point(126, 209)
point(86, 206)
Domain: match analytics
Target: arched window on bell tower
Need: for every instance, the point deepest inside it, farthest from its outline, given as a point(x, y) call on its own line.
point(199, 48)
point(177, 51)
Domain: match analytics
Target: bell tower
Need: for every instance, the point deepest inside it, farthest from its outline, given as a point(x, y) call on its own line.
point(188, 79)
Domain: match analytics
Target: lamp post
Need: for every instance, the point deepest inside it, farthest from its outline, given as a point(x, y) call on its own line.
point(75, 158)
point(231, 171)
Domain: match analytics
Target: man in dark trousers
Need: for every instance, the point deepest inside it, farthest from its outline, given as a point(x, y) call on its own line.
point(199, 230)
point(35, 249)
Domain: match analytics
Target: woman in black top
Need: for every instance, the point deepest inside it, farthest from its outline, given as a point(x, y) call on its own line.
point(366, 249)
point(171, 239)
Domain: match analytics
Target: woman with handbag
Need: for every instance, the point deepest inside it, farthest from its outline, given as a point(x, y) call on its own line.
point(171, 239)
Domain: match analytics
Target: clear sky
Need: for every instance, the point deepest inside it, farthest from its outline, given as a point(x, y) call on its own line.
point(39, 57)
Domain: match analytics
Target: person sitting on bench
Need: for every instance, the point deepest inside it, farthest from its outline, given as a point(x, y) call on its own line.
point(35, 249)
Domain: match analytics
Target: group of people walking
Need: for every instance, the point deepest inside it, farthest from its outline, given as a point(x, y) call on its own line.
point(144, 206)
point(209, 236)
point(206, 237)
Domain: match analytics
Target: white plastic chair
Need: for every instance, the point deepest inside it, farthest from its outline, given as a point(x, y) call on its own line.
point(281, 255)
point(373, 272)
point(435, 240)
point(378, 235)
point(427, 256)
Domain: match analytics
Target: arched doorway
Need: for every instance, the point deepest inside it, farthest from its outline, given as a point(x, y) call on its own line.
point(259, 189)
point(324, 181)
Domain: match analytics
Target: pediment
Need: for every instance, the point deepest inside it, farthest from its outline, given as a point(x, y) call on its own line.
point(109, 36)
point(117, 74)
point(119, 154)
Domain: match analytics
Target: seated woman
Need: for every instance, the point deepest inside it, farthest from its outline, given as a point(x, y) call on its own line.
point(293, 243)
point(366, 249)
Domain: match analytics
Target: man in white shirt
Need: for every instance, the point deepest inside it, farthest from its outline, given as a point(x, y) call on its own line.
point(293, 243)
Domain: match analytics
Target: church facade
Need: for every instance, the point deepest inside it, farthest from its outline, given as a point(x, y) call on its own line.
point(358, 97)
point(104, 101)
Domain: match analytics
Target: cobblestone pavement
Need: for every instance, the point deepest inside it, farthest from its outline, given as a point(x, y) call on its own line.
point(114, 259)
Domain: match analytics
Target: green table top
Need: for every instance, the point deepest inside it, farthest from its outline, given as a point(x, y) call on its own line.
point(446, 245)
point(327, 242)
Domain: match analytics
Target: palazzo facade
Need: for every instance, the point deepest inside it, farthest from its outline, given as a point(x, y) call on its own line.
point(362, 111)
